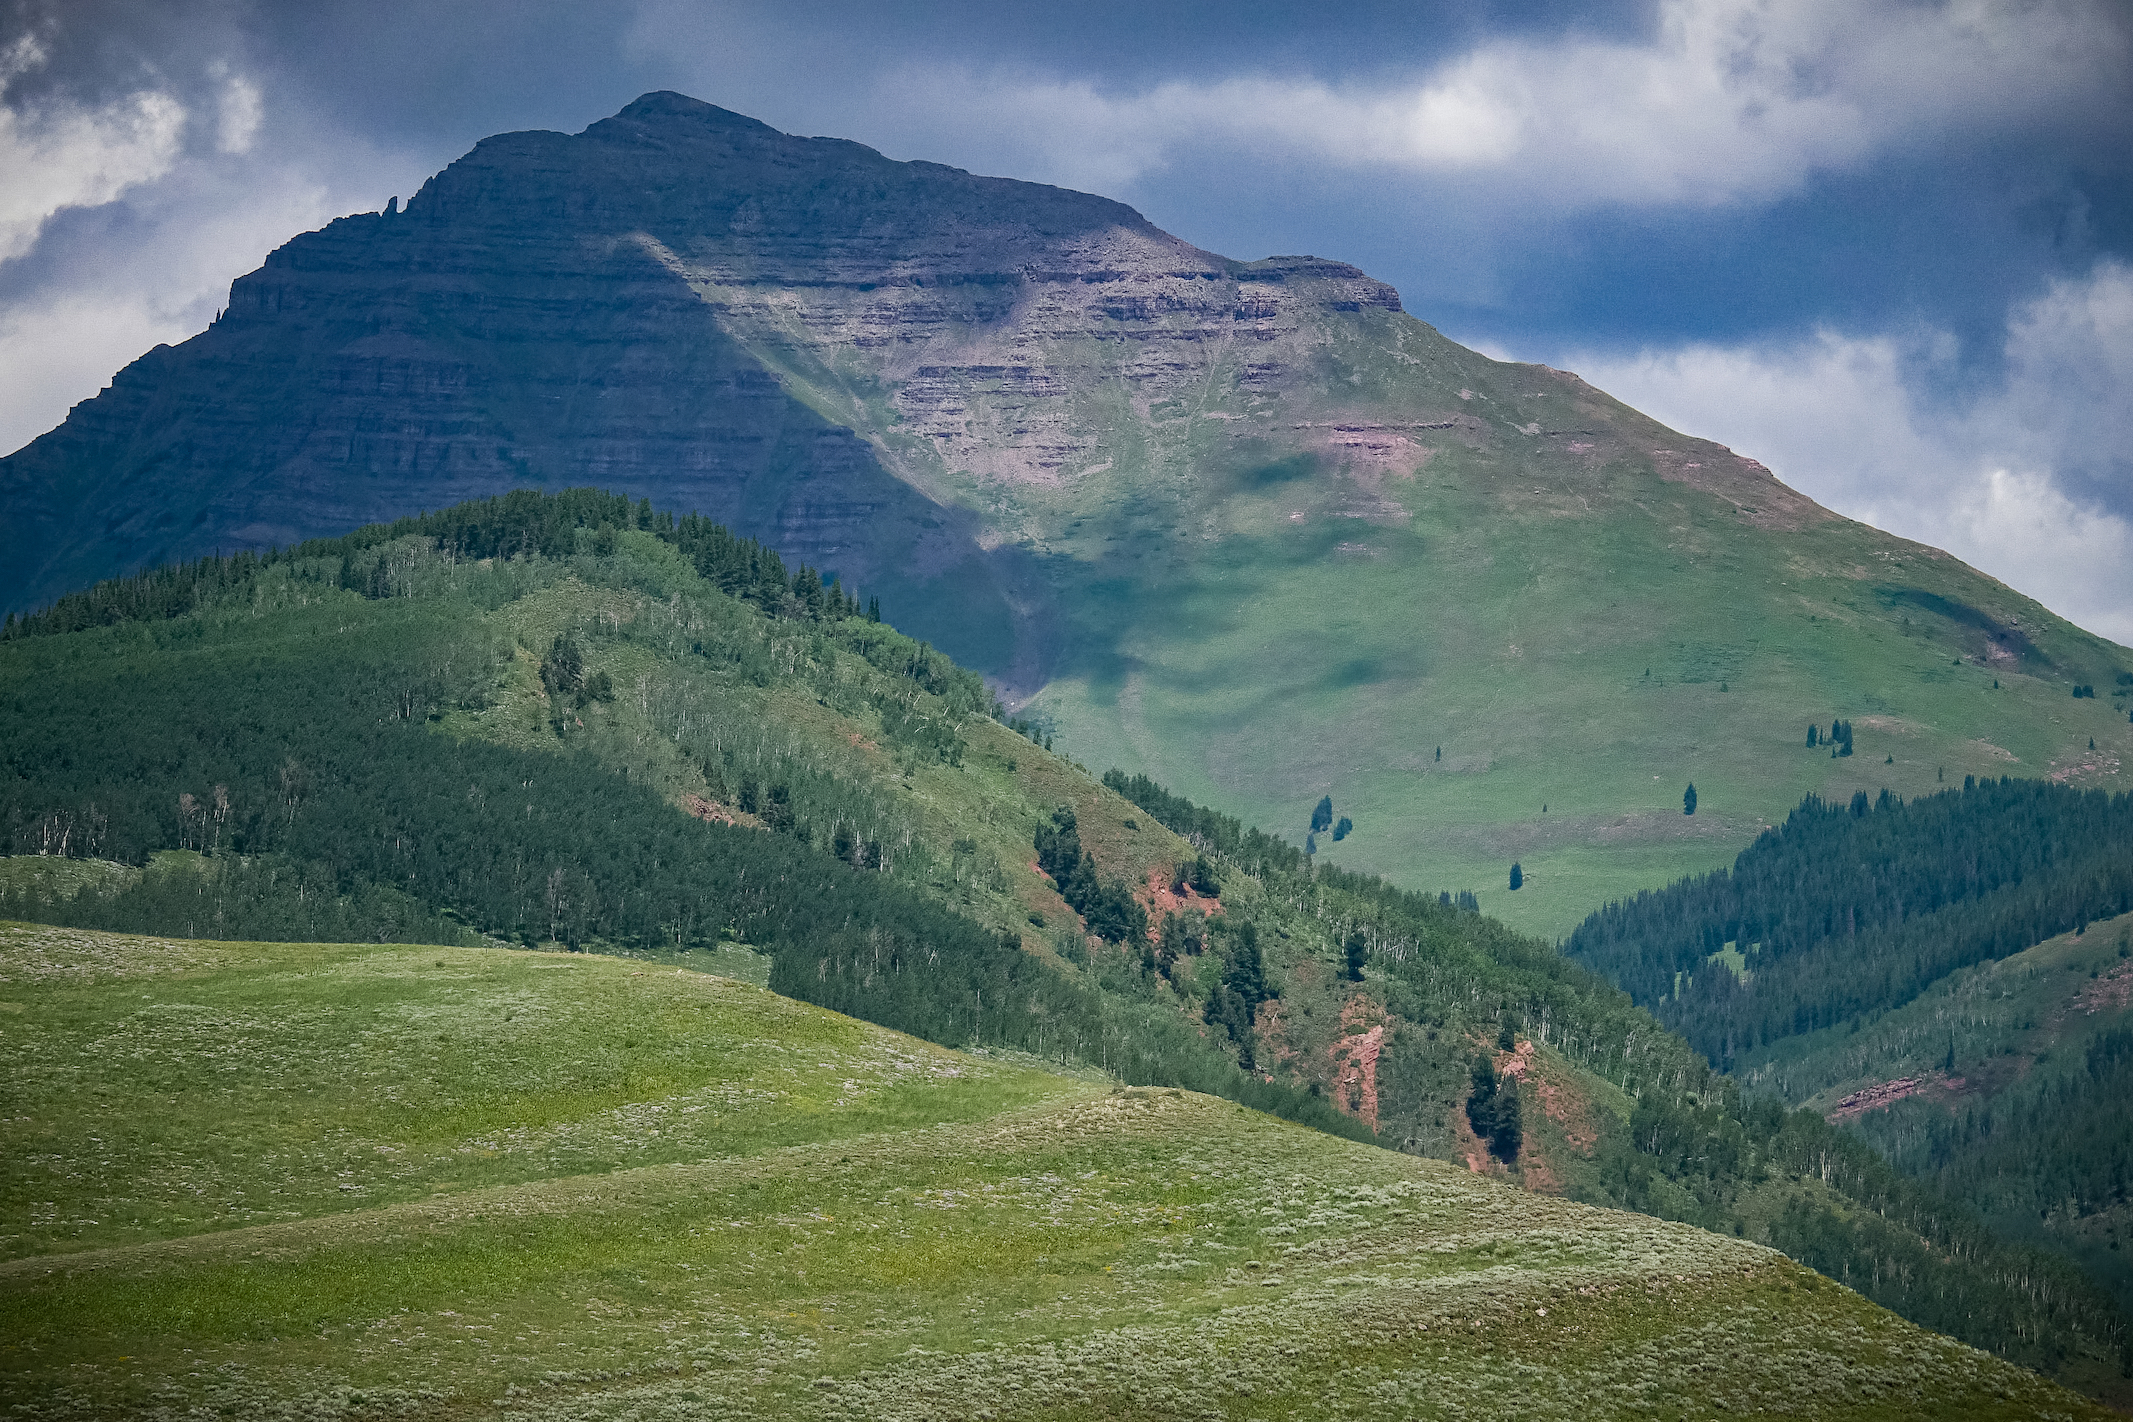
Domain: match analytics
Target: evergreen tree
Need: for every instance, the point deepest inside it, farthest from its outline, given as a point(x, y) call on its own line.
point(1353, 954)
point(1247, 970)
point(1509, 1133)
point(1814, 735)
point(1346, 826)
point(1688, 800)
point(1322, 815)
point(1492, 1110)
point(1518, 877)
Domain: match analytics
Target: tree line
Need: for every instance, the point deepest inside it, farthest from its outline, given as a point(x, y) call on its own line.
point(1848, 909)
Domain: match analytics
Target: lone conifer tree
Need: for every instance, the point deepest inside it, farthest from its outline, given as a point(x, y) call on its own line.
point(1814, 735)
point(1518, 877)
point(1322, 816)
point(1688, 800)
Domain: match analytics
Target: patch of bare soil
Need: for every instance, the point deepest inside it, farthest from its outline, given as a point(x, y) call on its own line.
point(1354, 1057)
point(1158, 898)
point(1742, 482)
point(1888, 1093)
point(1560, 1101)
point(2108, 992)
point(2086, 766)
point(713, 811)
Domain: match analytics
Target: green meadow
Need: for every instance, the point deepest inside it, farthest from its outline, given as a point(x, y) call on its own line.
point(291, 1180)
point(1583, 611)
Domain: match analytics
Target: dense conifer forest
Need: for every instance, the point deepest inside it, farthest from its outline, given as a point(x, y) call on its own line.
point(1846, 909)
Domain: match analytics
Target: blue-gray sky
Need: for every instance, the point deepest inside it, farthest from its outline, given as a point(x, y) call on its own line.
point(1885, 246)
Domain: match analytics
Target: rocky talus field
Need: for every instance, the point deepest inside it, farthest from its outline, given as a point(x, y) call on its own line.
point(1246, 526)
point(355, 1181)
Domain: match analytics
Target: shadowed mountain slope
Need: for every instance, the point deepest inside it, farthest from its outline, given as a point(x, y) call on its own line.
point(1247, 527)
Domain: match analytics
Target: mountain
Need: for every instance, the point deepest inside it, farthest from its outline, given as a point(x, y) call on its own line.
point(546, 1184)
point(1247, 527)
point(574, 721)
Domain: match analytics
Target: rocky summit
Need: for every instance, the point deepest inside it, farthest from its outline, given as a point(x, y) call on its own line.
point(1247, 526)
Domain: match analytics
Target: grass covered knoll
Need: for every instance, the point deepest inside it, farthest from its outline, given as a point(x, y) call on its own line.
point(351, 1181)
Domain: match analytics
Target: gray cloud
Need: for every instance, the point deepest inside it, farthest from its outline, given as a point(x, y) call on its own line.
point(2025, 478)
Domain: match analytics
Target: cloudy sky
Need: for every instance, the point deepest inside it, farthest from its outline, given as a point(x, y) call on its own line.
point(1885, 246)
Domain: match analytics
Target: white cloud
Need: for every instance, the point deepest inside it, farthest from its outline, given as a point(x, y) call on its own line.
point(2027, 481)
point(62, 155)
point(160, 282)
point(202, 204)
point(242, 110)
point(1726, 100)
point(65, 346)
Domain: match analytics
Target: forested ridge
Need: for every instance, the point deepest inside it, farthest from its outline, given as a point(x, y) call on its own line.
point(1866, 935)
point(307, 763)
point(1846, 909)
point(1694, 1147)
point(326, 728)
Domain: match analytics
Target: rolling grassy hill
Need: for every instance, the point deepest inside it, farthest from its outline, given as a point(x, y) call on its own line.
point(352, 1181)
point(574, 722)
point(1248, 527)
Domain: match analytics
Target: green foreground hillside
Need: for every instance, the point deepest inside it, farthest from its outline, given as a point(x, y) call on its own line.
point(572, 722)
point(281, 1180)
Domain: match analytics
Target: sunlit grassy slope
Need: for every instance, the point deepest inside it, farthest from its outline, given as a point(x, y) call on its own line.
point(1583, 611)
point(351, 1181)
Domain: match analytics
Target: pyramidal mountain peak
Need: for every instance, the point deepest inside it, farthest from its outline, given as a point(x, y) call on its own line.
point(1247, 526)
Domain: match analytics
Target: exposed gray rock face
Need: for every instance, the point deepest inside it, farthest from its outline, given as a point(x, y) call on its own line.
point(685, 304)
